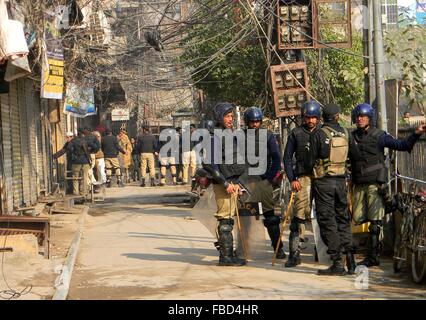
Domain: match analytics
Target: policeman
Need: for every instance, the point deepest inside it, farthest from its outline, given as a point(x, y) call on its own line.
point(369, 173)
point(264, 189)
point(111, 148)
point(298, 144)
point(81, 161)
point(330, 147)
point(147, 146)
point(225, 184)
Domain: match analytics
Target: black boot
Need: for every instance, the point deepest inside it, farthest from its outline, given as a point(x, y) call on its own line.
point(226, 244)
point(336, 269)
point(293, 259)
point(372, 258)
point(272, 224)
point(143, 182)
point(350, 262)
point(108, 182)
point(120, 182)
point(153, 183)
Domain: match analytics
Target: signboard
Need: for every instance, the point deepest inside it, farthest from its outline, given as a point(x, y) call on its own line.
point(52, 80)
point(421, 12)
point(79, 102)
point(120, 114)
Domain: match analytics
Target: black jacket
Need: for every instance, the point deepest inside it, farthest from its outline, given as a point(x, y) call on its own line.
point(93, 143)
point(146, 143)
point(110, 147)
point(79, 150)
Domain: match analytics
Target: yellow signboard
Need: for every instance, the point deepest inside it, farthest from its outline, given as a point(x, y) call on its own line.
point(53, 79)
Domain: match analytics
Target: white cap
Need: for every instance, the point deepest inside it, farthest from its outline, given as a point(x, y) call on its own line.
point(69, 134)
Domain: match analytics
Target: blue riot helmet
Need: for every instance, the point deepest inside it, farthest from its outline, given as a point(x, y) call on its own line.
point(366, 110)
point(253, 114)
point(209, 125)
point(220, 110)
point(311, 109)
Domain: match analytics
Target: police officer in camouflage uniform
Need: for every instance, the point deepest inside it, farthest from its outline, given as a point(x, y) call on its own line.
point(369, 173)
point(263, 189)
point(300, 175)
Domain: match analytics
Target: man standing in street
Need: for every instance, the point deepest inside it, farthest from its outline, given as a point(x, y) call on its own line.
point(225, 184)
point(369, 174)
point(111, 148)
point(96, 146)
point(263, 189)
point(330, 148)
point(189, 160)
point(66, 150)
point(147, 147)
point(125, 160)
point(298, 144)
point(81, 161)
point(100, 161)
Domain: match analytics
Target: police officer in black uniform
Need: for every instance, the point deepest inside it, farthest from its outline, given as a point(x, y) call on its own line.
point(369, 173)
point(300, 175)
point(263, 189)
point(329, 150)
point(225, 179)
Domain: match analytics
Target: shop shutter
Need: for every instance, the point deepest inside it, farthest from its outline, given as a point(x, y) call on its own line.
point(7, 152)
point(16, 145)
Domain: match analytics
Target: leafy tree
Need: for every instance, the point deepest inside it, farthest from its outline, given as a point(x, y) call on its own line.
point(406, 51)
point(226, 62)
point(336, 76)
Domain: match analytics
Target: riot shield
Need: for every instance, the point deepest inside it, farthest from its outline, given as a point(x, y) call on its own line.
point(250, 232)
point(321, 248)
point(205, 210)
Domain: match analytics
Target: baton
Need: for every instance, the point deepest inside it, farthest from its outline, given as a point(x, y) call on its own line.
point(283, 227)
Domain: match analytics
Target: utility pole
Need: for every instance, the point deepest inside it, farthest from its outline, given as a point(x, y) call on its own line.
point(379, 62)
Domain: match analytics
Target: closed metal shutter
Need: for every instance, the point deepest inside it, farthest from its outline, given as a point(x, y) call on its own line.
point(33, 107)
point(7, 153)
point(25, 149)
point(18, 193)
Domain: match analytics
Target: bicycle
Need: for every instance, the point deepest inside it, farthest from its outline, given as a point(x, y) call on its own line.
point(412, 239)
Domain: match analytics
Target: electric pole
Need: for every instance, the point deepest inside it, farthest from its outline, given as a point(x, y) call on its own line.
point(379, 63)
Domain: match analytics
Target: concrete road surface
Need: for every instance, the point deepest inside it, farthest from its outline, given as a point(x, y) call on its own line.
point(136, 247)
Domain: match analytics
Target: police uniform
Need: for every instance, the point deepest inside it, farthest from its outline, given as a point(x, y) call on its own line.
point(262, 190)
point(222, 176)
point(329, 151)
point(369, 176)
point(298, 144)
point(111, 148)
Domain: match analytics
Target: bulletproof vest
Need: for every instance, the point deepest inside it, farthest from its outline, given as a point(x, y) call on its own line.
point(335, 164)
point(303, 159)
point(234, 169)
point(367, 160)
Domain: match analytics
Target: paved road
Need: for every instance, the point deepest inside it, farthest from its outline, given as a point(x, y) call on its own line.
point(137, 248)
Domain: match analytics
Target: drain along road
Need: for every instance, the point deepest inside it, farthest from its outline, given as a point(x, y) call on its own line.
point(142, 244)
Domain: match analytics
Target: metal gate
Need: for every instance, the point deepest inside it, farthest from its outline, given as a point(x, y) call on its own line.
point(18, 190)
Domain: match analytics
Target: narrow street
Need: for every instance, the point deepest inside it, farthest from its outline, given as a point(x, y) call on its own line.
point(136, 247)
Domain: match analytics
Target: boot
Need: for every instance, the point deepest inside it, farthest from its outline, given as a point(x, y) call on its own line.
point(153, 183)
point(226, 245)
point(336, 269)
point(120, 183)
point(108, 182)
point(272, 224)
point(372, 258)
point(350, 262)
point(143, 182)
point(293, 259)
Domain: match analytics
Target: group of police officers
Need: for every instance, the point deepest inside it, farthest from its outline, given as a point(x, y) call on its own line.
point(324, 154)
